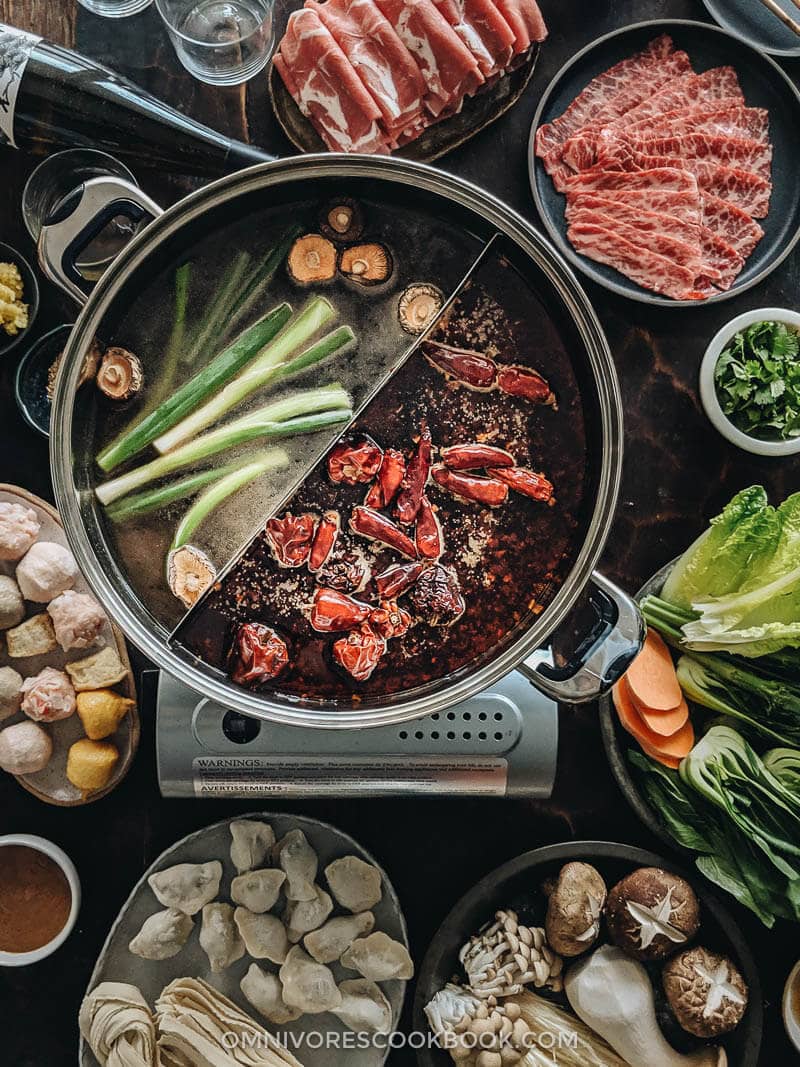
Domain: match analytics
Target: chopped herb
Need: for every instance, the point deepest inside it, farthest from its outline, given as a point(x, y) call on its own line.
point(757, 379)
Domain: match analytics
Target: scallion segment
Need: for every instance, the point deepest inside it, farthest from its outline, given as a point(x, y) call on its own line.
point(261, 372)
point(304, 412)
point(216, 494)
point(139, 504)
point(212, 325)
point(193, 392)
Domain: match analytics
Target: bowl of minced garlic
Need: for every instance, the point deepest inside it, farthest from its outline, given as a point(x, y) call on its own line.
point(19, 297)
point(40, 896)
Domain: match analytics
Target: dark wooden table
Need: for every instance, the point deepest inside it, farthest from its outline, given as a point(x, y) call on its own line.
point(678, 473)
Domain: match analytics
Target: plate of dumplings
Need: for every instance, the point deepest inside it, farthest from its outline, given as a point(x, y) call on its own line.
point(272, 925)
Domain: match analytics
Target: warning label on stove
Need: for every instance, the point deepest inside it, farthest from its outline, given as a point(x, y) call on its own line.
point(321, 776)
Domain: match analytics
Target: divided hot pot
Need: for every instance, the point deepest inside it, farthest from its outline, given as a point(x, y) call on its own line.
point(441, 231)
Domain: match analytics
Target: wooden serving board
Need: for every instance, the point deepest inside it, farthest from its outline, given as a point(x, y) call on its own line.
point(52, 785)
point(477, 112)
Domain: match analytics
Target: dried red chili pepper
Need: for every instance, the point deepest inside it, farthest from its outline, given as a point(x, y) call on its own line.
point(524, 382)
point(291, 537)
point(395, 580)
point(469, 368)
point(472, 456)
point(471, 487)
point(415, 478)
point(390, 477)
point(428, 532)
point(389, 620)
point(257, 655)
point(352, 462)
point(332, 610)
point(324, 540)
point(525, 481)
point(377, 527)
point(359, 653)
point(437, 598)
point(346, 572)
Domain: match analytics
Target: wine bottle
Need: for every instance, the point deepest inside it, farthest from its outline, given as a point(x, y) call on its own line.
point(51, 97)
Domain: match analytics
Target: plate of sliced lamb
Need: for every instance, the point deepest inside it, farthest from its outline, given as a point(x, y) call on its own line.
point(412, 77)
point(663, 161)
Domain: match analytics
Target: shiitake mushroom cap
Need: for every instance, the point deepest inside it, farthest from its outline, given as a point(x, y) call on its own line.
point(342, 219)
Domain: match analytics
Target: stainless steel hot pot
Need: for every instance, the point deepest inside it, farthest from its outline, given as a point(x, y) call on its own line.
point(605, 648)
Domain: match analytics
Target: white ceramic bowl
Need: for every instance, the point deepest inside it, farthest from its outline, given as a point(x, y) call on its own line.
point(708, 391)
point(41, 844)
point(791, 1020)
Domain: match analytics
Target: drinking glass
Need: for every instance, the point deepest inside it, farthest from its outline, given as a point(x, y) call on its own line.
point(115, 9)
point(221, 42)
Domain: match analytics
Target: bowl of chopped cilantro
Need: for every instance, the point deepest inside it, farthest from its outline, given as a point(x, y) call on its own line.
point(750, 381)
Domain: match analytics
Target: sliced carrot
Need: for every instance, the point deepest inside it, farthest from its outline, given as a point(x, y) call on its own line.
point(652, 678)
point(664, 749)
point(668, 761)
point(664, 723)
point(679, 745)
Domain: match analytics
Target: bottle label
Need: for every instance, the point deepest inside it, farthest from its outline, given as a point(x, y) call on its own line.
point(15, 50)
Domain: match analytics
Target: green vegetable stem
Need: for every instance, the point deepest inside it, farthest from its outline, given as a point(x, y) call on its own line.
point(213, 497)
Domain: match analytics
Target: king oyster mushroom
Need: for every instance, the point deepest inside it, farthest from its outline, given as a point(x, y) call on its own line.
point(258, 891)
point(120, 375)
point(299, 862)
point(574, 908)
point(265, 992)
point(651, 913)
point(303, 916)
point(706, 992)
point(251, 842)
point(378, 958)
point(329, 943)
point(264, 936)
point(189, 573)
point(364, 1008)
point(187, 887)
point(356, 885)
point(308, 986)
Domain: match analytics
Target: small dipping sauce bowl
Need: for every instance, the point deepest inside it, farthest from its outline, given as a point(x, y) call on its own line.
point(791, 1006)
point(47, 852)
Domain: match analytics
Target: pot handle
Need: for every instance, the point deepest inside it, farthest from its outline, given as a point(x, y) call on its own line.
point(79, 218)
point(602, 655)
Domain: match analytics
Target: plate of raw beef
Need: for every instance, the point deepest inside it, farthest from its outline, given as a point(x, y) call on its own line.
point(411, 77)
point(664, 161)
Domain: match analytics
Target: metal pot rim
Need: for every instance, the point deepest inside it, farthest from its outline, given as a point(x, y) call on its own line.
point(138, 624)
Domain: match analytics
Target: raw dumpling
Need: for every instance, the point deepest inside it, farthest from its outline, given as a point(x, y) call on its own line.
point(332, 940)
point(187, 886)
point(364, 1008)
point(308, 986)
point(265, 992)
point(303, 916)
point(219, 936)
point(162, 936)
point(379, 958)
point(264, 936)
point(250, 843)
point(19, 528)
point(47, 570)
point(299, 861)
point(356, 885)
point(258, 891)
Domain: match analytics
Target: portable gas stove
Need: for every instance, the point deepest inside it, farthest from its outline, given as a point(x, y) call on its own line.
point(502, 742)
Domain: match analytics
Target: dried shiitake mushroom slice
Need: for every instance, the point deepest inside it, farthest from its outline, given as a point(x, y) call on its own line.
point(342, 220)
point(120, 375)
point(368, 264)
point(189, 573)
point(419, 305)
point(312, 259)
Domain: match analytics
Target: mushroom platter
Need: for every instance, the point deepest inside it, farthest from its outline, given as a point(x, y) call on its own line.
point(589, 954)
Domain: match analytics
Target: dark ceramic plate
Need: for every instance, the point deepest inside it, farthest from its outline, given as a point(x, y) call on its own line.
point(477, 113)
point(523, 875)
point(30, 383)
point(764, 85)
point(758, 26)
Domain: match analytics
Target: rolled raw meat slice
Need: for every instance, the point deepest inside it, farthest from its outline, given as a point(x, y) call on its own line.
point(484, 30)
point(326, 88)
point(526, 22)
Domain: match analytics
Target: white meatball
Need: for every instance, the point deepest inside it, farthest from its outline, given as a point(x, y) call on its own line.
point(25, 748)
point(77, 619)
point(46, 571)
point(12, 606)
point(10, 692)
point(48, 696)
point(19, 528)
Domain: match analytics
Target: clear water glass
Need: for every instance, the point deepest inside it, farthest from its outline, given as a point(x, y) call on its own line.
point(221, 42)
point(115, 9)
